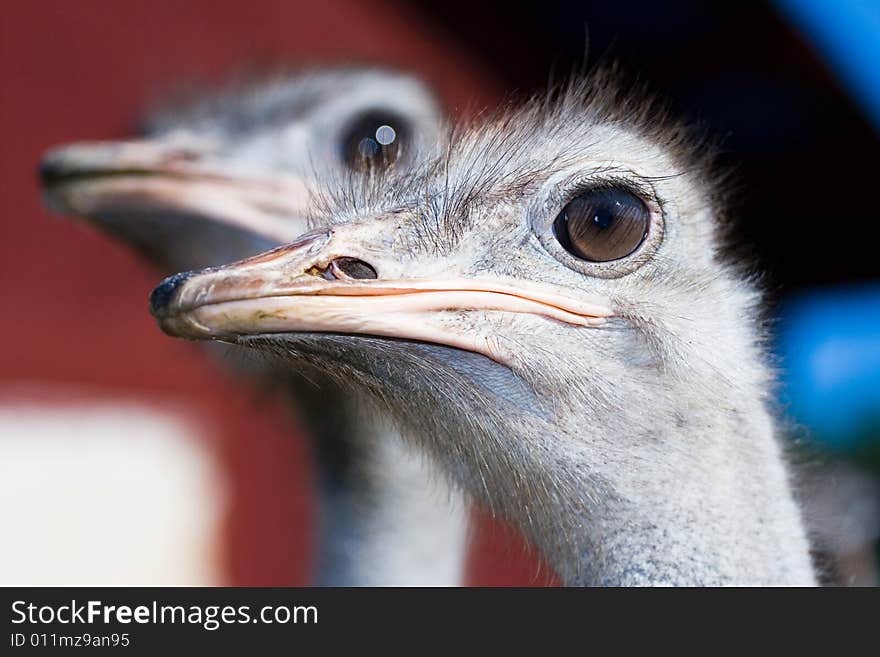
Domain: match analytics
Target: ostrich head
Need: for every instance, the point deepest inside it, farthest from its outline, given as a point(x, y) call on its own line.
point(546, 308)
point(232, 174)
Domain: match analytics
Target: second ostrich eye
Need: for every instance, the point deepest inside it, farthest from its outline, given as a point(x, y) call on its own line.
point(602, 224)
point(374, 141)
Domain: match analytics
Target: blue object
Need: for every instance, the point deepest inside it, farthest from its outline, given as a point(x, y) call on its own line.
point(847, 34)
point(829, 343)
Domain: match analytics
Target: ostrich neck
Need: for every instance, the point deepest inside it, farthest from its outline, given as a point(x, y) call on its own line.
point(708, 503)
point(386, 516)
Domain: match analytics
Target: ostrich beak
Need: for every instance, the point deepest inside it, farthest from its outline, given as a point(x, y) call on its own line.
point(330, 281)
point(173, 176)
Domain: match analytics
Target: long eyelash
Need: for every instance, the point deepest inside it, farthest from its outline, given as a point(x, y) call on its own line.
point(635, 186)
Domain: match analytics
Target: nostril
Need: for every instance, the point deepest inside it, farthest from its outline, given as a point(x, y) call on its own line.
point(352, 268)
point(162, 296)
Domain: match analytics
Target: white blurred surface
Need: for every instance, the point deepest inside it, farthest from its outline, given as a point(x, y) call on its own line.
point(106, 494)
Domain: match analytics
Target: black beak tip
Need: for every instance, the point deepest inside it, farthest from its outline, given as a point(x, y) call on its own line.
point(164, 294)
point(49, 170)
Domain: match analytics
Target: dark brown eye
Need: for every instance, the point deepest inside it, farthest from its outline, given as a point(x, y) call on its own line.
point(374, 140)
point(602, 224)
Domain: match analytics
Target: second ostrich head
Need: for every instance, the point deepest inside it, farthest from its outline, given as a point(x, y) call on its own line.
point(232, 173)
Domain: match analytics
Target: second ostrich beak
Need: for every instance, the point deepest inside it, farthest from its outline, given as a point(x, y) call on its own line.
point(339, 281)
point(172, 174)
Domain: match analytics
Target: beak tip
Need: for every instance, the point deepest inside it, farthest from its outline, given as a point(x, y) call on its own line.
point(51, 172)
point(45, 170)
point(60, 162)
point(165, 293)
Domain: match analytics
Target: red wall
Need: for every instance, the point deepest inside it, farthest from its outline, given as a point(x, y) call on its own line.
point(74, 303)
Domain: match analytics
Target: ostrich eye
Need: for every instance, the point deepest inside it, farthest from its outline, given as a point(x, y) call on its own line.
point(374, 140)
point(602, 224)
